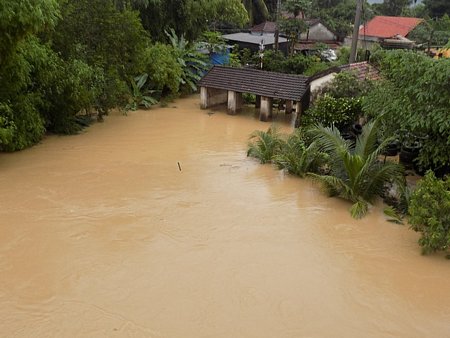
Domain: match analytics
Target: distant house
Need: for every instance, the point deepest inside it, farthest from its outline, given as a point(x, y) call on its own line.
point(388, 31)
point(317, 33)
point(253, 41)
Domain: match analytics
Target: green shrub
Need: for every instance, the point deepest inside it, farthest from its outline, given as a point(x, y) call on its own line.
point(330, 111)
point(29, 125)
point(345, 84)
point(277, 62)
point(163, 68)
point(316, 67)
point(429, 211)
point(249, 98)
point(7, 126)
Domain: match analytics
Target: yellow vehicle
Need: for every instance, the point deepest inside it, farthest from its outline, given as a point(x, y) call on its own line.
point(443, 53)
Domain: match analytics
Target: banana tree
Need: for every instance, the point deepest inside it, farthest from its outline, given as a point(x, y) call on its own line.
point(192, 62)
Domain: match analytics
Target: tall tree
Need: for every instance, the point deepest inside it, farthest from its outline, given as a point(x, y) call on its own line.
point(257, 11)
point(190, 17)
point(19, 19)
point(437, 8)
point(394, 7)
point(293, 26)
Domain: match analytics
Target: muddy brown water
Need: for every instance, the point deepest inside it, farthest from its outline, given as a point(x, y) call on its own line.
point(103, 236)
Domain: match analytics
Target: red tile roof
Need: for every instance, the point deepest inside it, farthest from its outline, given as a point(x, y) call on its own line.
point(389, 26)
point(362, 70)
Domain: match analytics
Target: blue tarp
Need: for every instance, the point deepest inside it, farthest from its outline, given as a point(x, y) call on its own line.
point(220, 58)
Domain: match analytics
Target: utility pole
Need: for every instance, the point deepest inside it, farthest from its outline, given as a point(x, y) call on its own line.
point(277, 31)
point(355, 31)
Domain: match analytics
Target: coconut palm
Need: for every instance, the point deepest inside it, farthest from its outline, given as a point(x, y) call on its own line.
point(297, 157)
point(356, 173)
point(264, 144)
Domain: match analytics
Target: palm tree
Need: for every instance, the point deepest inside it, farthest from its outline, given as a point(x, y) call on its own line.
point(264, 144)
point(356, 174)
point(297, 157)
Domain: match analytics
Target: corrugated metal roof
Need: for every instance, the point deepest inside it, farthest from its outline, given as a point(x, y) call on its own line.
point(268, 39)
point(258, 82)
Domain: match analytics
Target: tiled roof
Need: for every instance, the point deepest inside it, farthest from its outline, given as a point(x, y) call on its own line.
point(265, 27)
point(389, 26)
point(258, 82)
point(362, 70)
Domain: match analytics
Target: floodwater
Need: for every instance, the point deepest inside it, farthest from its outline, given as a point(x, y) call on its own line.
point(102, 235)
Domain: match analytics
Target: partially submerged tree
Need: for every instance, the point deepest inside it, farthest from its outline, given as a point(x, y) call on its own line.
point(356, 173)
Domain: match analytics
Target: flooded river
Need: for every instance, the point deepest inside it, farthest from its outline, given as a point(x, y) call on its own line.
point(102, 235)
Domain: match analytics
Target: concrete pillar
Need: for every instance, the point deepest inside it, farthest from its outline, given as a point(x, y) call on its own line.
point(298, 110)
point(266, 108)
point(203, 97)
point(258, 101)
point(211, 97)
point(289, 106)
point(234, 102)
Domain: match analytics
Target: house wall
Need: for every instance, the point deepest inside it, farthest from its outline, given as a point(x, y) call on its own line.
point(318, 32)
point(318, 83)
point(366, 42)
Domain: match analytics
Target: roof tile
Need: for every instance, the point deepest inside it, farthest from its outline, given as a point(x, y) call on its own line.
point(389, 26)
point(258, 82)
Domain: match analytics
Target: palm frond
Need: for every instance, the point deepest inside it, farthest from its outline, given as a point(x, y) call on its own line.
point(366, 142)
point(378, 176)
point(393, 216)
point(334, 186)
point(264, 145)
point(330, 141)
point(359, 209)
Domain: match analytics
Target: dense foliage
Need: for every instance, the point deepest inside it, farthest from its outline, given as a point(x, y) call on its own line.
point(21, 125)
point(191, 17)
point(63, 61)
point(415, 98)
point(429, 211)
point(437, 8)
point(330, 111)
point(337, 103)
